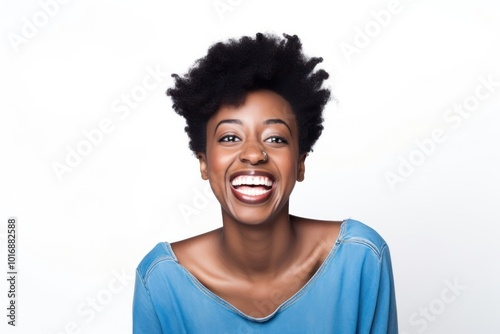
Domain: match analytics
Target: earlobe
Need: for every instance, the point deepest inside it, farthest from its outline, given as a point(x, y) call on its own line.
point(203, 165)
point(301, 168)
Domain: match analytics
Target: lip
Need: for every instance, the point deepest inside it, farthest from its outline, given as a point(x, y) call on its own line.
point(252, 199)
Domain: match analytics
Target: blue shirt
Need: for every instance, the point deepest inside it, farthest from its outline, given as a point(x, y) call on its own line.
point(352, 292)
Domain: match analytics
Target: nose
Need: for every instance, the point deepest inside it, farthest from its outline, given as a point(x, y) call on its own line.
point(253, 155)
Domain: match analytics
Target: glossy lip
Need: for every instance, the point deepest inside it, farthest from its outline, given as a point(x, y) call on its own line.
point(252, 199)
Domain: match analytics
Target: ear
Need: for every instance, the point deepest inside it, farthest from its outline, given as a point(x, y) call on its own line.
point(202, 158)
point(301, 168)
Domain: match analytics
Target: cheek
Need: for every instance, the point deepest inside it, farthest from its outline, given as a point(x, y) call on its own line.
point(288, 170)
point(218, 164)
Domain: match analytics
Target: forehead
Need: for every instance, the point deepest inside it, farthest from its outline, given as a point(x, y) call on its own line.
point(258, 106)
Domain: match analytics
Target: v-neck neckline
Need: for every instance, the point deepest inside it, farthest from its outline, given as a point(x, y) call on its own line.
point(283, 305)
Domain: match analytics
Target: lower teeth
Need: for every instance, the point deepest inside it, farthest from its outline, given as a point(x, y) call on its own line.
point(252, 191)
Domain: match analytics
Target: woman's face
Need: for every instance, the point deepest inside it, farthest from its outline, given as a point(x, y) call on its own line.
point(252, 157)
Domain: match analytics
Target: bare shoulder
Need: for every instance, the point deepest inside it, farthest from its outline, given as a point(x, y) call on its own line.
point(315, 231)
point(192, 252)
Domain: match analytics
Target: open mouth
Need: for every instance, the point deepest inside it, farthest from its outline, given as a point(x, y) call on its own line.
point(252, 188)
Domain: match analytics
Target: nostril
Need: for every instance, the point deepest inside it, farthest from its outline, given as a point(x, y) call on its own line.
point(254, 156)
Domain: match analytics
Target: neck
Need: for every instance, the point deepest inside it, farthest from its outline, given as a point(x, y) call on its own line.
point(261, 250)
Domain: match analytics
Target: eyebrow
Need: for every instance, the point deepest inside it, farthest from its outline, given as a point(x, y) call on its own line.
point(230, 121)
point(267, 122)
point(278, 121)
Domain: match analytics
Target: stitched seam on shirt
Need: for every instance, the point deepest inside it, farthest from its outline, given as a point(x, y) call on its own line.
point(212, 295)
point(362, 241)
point(149, 294)
point(153, 265)
point(285, 304)
point(309, 284)
point(316, 276)
point(167, 256)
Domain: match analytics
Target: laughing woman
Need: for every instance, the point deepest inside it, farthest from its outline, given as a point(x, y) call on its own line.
point(253, 109)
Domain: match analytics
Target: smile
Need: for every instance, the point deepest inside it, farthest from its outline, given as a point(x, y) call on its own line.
point(252, 189)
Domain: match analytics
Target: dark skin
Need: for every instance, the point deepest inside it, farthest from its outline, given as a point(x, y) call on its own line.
point(262, 255)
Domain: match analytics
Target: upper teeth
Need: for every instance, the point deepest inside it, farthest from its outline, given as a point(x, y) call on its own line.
point(252, 180)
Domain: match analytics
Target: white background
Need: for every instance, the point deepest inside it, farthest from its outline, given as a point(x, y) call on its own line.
point(77, 232)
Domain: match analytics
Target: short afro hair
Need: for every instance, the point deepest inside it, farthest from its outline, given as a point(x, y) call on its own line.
point(231, 70)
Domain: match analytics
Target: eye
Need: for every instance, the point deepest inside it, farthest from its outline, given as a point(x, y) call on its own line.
point(277, 140)
point(229, 139)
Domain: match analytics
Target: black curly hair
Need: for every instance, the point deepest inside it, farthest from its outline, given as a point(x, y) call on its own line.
point(231, 70)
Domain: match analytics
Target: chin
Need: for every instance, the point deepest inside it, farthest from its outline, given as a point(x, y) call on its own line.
point(253, 215)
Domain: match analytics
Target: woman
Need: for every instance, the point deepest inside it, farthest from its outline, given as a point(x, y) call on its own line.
point(253, 109)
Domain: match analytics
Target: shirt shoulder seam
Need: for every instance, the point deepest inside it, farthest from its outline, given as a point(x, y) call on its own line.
point(377, 250)
point(359, 233)
point(164, 256)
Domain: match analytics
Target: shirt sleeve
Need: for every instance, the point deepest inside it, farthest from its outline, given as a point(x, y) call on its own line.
point(145, 319)
point(385, 317)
